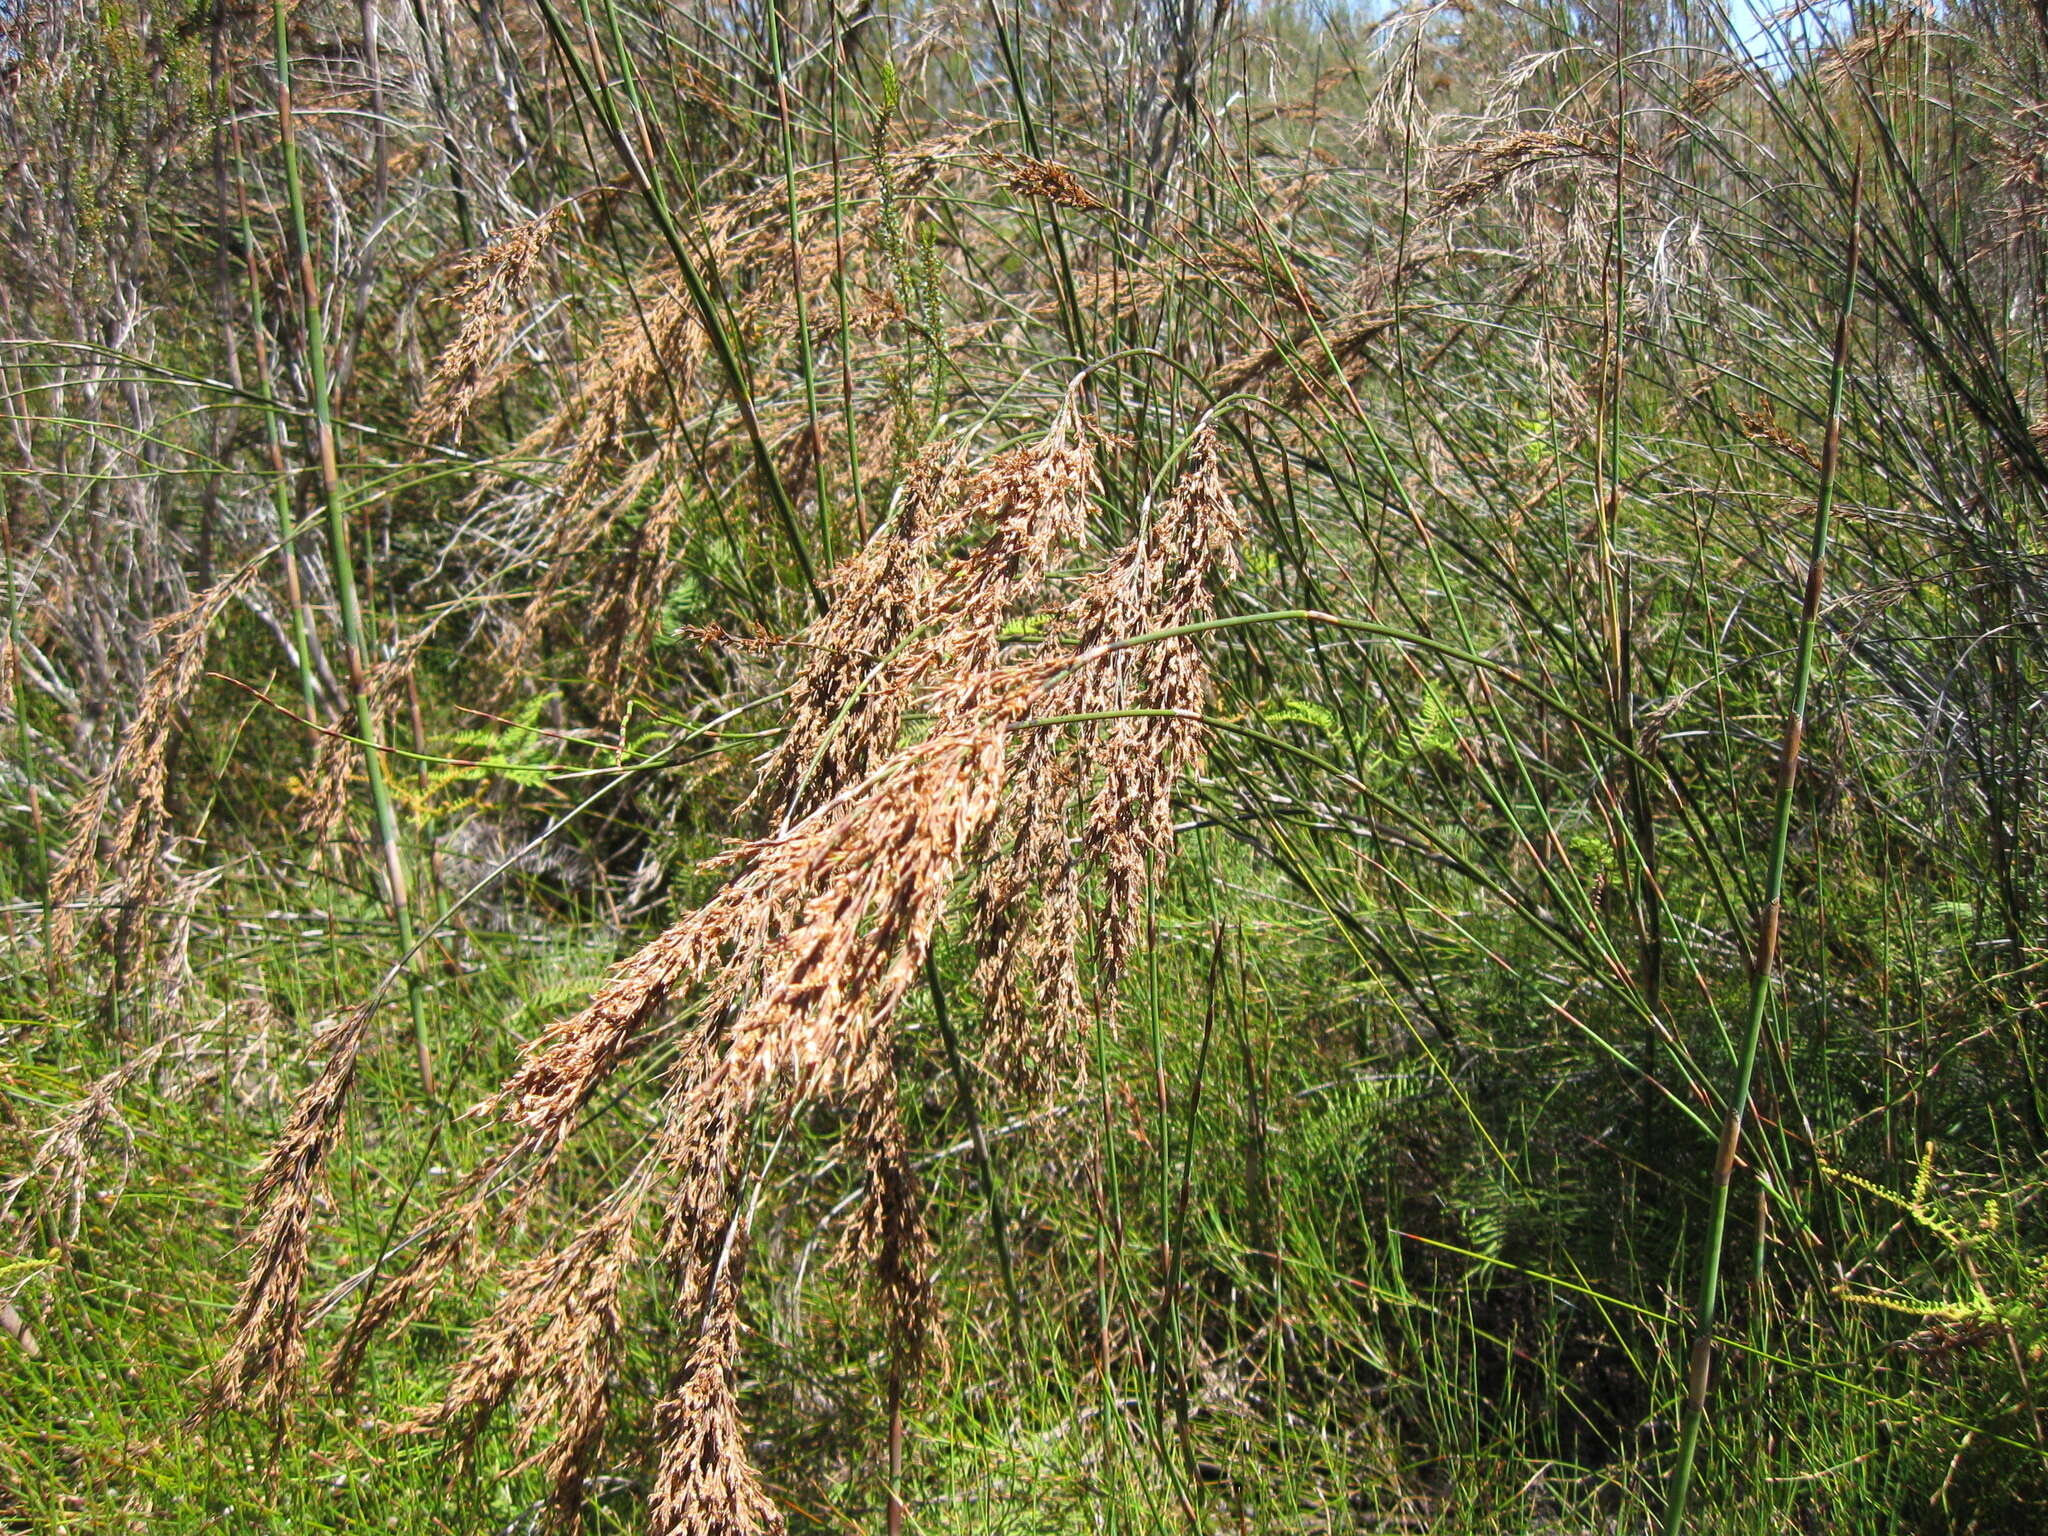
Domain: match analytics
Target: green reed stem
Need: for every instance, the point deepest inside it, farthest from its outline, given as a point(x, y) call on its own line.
point(722, 345)
point(1764, 961)
point(336, 497)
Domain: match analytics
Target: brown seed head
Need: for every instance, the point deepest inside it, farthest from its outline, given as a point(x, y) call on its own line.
point(269, 1342)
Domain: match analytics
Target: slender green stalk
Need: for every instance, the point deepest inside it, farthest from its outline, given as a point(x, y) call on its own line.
point(273, 438)
point(699, 289)
point(1764, 961)
point(338, 554)
point(806, 357)
point(984, 1164)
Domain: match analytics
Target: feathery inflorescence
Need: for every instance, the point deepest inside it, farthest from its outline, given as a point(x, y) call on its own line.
point(1135, 713)
point(917, 749)
point(268, 1322)
point(140, 770)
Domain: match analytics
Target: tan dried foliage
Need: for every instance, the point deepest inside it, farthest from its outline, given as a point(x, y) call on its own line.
point(268, 1322)
point(875, 864)
point(899, 614)
point(1871, 47)
point(1762, 427)
point(1702, 93)
point(63, 1160)
point(706, 1485)
point(619, 434)
point(1137, 289)
point(1310, 356)
point(1492, 163)
point(887, 1236)
point(785, 987)
point(140, 771)
point(1116, 775)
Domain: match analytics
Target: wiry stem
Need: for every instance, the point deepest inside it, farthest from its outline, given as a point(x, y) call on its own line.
point(1764, 961)
point(338, 552)
point(984, 1165)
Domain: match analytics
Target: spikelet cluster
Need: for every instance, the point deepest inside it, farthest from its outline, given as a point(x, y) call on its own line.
point(268, 1324)
point(926, 741)
point(62, 1162)
point(475, 362)
point(140, 771)
point(1112, 778)
point(1492, 163)
point(552, 1341)
point(626, 438)
point(1046, 179)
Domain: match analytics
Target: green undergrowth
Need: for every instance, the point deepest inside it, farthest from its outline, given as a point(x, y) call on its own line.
point(1271, 1274)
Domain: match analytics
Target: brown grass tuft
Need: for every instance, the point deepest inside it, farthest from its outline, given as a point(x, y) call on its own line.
point(553, 1339)
point(63, 1159)
point(899, 616)
point(912, 753)
point(705, 1485)
point(888, 1236)
point(1117, 775)
point(1761, 426)
point(1702, 93)
point(1045, 179)
point(474, 364)
point(1872, 45)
